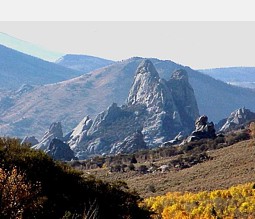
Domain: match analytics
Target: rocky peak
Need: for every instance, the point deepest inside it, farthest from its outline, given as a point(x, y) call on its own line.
point(54, 132)
point(160, 109)
point(79, 132)
point(105, 118)
point(146, 67)
point(184, 97)
point(237, 118)
point(145, 85)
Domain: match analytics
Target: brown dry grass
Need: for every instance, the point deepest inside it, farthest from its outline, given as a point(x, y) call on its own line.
point(230, 166)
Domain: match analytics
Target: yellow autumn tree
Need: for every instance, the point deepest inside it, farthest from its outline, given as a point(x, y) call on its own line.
point(235, 202)
point(16, 195)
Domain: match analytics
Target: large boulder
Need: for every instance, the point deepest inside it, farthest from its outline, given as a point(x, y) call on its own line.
point(204, 129)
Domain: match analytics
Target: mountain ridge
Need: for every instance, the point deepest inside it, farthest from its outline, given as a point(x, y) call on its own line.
point(82, 63)
point(69, 101)
point(242, 76)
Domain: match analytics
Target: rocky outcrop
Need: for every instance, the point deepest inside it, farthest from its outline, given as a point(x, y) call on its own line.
point(130, 144)
point(30, 140)
point(236, 119)
point(54, 132)
point(184, 98)
point(160, 109)
point(79, 133)
point(58, 150)
point(204, 129)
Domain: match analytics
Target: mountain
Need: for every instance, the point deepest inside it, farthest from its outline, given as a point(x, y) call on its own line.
point(17, 68)
point(28, 48)
point(31, 112)
point(82, 63)
point(239, 76)
point(156, 110)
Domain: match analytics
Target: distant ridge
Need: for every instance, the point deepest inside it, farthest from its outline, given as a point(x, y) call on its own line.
point(83, 63)
point(239, 76)
point(17, 68)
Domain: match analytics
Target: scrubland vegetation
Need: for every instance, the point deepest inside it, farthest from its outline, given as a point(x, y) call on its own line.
point(32, 185)
point(210, 178)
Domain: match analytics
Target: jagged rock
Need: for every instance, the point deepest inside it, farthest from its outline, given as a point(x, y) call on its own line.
point(204, 129)
point(177, 139)
point(55, 131)
point(79, 133)
point(130, 144)
point(153, 106)
point(30, 140)
point(236, 119)
point(58, 150)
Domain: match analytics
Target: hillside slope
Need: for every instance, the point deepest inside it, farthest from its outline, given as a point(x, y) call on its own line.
point(17, 68)
point(229, 166)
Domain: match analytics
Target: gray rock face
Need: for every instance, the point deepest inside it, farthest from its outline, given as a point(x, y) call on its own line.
point(184, 97)
point(79, 133)
point(204, 129)
point(58, 150)
point(237, 118)
point(159, 108)
point(30, 140)
point(130, 144)
point(55, 131)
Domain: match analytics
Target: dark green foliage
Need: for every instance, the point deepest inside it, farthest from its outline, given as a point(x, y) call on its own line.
point(65, 189)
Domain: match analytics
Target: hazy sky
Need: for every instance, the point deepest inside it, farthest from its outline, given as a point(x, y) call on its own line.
point(201, 44)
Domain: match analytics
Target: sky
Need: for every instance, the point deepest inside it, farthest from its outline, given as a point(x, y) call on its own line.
point(201, 44)
point(169, 32)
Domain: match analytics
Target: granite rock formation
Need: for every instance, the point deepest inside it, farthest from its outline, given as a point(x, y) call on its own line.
point(54, 132)
point(160, 109)
point(204, 129)
point(59, 150)
point(236, 119)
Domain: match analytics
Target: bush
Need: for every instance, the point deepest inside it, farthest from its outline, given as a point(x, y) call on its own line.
point(65, 190)
point(17, 195)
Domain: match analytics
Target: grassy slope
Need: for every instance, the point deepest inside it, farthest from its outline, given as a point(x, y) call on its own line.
point(230, 166)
